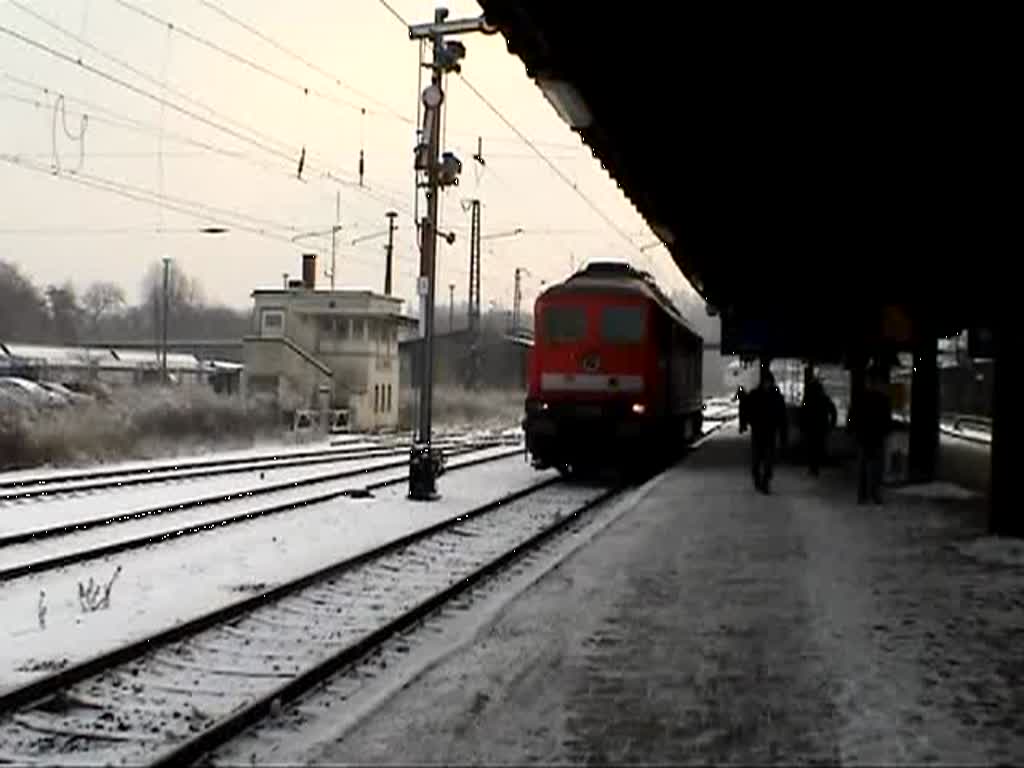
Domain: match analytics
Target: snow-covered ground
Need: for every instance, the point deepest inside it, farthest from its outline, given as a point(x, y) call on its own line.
point(34, 551)
point(178, 580)
point(47, 511)
point(269, 449)
point(714, 625)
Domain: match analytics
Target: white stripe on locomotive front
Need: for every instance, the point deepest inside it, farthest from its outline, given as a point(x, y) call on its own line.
point(590, 382)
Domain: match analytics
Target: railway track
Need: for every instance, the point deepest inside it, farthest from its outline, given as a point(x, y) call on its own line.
point(171, 698)
point(24, 490)
point(28, 563)
point(78, 524)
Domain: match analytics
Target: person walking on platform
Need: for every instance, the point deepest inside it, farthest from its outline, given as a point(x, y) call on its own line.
point(764, 411)
point(817, 417)
point(872, 422)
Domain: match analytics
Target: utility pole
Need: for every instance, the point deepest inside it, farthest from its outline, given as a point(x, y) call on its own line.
point(517, 299)
point(474, 267)
point(451, 307)
point(163, 332)
point(424, 461)
point(334, 234)
point(390, 251)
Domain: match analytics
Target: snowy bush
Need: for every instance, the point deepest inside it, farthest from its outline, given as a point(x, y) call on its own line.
point(136, 423)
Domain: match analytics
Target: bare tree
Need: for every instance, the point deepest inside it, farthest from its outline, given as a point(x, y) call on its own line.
point(100, 300)
point(184, 293)
point(65, 312)
point(23, 311)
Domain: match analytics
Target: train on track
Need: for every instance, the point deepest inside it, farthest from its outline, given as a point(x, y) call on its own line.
point(615, 373)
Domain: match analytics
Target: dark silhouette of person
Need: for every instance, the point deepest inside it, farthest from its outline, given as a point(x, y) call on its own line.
point(763, 409)
point(817, 418)
point(872, 422)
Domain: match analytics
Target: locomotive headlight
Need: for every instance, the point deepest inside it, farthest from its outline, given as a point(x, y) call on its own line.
point(639, 409)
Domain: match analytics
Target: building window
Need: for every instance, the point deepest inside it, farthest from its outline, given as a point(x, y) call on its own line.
point(389, 399)
point(341, 324)
point(325, 323)
point(376, 398)
point(357, 329)
point(272, 322)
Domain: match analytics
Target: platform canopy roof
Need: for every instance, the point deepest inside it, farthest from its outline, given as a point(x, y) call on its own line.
point(803, 161)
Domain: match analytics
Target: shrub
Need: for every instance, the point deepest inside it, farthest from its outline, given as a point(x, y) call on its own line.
point(453, 407)
point(136, 423)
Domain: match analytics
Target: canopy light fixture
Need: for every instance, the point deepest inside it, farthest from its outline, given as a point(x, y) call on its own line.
point(567, 102)
point(664, 234)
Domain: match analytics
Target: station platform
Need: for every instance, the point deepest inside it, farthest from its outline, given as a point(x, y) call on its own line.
point(709, 623)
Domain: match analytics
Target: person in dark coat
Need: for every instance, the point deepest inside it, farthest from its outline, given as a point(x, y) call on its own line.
point(872, 423)
point(764, 411)
point(817, 418)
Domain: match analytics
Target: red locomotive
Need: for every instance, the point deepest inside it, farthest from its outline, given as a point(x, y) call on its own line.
point(615, 373)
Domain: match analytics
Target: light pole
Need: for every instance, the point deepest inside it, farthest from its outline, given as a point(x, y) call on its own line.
point(207, 230)
point(451, 307)
point(163, 331)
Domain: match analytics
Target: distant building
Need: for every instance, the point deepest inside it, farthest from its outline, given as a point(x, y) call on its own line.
point(114, 366)
point(465, 359)
point(339, 349)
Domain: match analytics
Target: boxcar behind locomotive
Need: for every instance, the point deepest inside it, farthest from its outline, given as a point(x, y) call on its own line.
point(615, 373)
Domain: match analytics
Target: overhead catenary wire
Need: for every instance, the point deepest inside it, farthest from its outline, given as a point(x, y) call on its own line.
point(393, 12)
point(237, 57)
point(150, 198)
point(269, 140)
point(288, 156)
point(281, 47)
point(78, 61)
point(557, 171)
point(221, 217)
point(537, 151)
point(103, 116)
point(259, 139)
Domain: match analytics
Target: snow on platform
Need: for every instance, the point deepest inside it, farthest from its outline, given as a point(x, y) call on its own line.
point(176, 581)
point(713, 624)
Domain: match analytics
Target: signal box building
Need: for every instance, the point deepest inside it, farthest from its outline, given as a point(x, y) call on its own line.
point(338, 349)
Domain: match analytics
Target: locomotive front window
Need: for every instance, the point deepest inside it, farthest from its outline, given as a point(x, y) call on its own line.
point(565, 324)
point(622, 325)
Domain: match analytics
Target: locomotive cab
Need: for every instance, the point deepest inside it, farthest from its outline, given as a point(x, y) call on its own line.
point(611, 379)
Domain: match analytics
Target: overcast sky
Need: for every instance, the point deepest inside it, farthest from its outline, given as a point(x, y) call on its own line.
point(57, 229)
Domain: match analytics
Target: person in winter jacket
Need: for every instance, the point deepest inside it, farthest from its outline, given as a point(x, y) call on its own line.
point(764, 411)
point(871, 422)
point(817, 418)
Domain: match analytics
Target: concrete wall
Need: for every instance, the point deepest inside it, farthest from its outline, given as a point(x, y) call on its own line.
point(277, 368)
